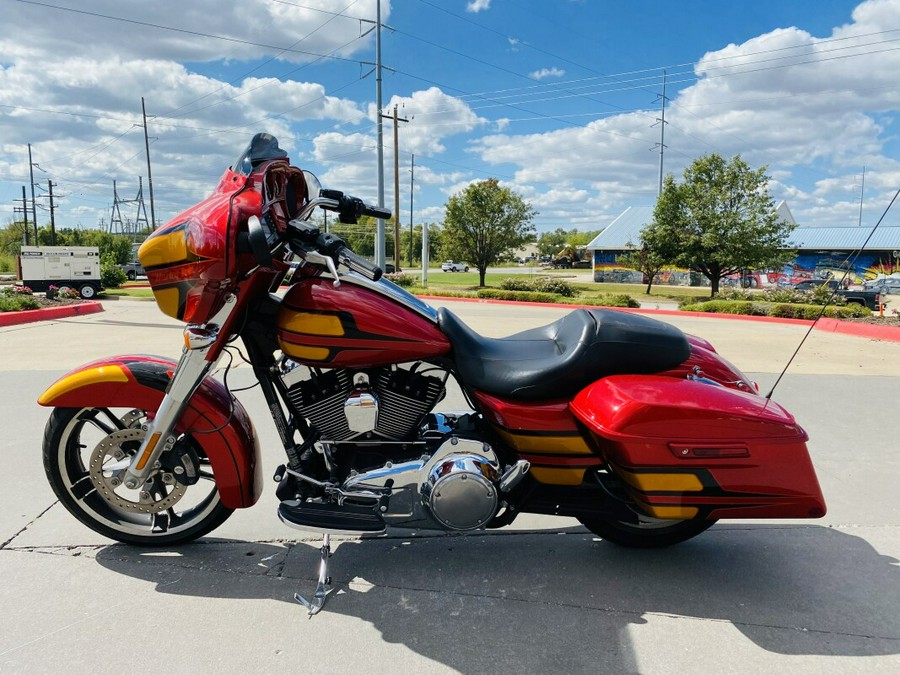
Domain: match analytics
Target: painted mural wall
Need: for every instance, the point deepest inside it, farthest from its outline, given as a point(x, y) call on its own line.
point(818, 265)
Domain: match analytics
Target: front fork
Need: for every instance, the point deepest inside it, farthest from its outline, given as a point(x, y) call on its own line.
point(192, 369)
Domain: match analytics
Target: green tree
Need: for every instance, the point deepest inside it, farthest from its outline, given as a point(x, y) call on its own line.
point(550, 243)
point(484, 223)
point(645, 259)
point(718, 221)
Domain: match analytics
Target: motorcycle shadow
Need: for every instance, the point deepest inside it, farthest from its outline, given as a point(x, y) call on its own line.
point(542, 600)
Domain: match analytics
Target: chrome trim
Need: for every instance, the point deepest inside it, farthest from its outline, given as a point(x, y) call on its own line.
point(192, 369)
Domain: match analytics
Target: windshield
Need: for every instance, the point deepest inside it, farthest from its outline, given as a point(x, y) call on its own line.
point(262, 147)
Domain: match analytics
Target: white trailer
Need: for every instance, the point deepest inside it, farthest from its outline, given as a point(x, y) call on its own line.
point(76, 267)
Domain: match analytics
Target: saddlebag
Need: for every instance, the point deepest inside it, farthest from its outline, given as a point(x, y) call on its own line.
point(688, 449)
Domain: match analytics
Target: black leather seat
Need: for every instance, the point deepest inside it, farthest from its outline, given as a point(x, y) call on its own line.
point(561, 358)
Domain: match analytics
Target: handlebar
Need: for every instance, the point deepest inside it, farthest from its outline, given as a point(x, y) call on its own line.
point(349, 210)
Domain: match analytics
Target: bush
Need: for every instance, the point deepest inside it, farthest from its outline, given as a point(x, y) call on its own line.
point(540, 285)
point(403, 279)
point(15, 291)
point(742, 307)
point(519, 296)
point(17, 303)
point(7, 264)
point(733, 293)
point(111, 275)
point(782, 310)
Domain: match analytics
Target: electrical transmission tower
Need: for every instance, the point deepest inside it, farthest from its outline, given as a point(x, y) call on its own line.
point(134, 228)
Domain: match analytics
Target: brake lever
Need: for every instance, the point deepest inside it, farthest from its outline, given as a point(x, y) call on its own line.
point(317, 258)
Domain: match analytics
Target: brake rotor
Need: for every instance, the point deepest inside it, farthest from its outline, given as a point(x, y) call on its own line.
point(108, 463)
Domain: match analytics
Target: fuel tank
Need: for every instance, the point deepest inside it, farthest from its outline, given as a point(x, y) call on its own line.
point(358, 324)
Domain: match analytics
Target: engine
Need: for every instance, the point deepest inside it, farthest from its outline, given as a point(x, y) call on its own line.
point(377, 428)
point(385, 404)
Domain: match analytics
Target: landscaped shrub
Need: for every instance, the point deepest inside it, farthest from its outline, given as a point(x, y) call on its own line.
point(781, 310)
point(540, 285)
point(403, 279)
point(614, 300)
point(111, 275)
point(519, 296)
point(15, 303)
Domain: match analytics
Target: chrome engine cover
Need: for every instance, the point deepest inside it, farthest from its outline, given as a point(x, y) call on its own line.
point(455, 488)
point(461, 491)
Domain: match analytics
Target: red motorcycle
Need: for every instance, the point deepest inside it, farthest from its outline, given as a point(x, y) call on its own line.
point(645, 435)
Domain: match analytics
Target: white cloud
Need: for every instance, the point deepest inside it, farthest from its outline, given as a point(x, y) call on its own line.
point(476, 6)
point(544, 73)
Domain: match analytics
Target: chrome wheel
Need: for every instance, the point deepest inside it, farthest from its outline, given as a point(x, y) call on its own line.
point(86, 453)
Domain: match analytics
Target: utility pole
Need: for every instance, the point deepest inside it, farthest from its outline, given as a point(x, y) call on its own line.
point(52, 219)
point(149, 175)
point(412, 181)
point(396, 187)
point(379, 233)
point(33, 205)
point(24, 211)
point(662, 134)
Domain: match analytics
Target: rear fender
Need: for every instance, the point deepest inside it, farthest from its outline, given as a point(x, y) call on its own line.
point(219, 422)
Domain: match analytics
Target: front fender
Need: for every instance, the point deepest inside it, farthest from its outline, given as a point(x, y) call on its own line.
point(219, 422)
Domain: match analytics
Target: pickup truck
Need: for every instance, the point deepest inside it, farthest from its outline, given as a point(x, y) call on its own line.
point(133, 270)
point(867, 298)
point(450, 266)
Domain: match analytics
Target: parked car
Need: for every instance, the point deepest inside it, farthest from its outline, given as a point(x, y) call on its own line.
point(133, 270)
point(450, 266)
point(885, 285)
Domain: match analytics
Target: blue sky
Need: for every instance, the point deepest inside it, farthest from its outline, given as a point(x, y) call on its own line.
point(559, 99)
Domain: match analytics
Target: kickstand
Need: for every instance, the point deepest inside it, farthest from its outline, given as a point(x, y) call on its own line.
point(322, 590)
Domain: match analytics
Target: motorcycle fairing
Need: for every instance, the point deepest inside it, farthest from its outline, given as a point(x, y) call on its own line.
point(544, 433)
point(689, 449)
point(219, 422)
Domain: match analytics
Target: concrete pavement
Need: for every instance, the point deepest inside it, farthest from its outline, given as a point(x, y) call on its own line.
point(744, 597)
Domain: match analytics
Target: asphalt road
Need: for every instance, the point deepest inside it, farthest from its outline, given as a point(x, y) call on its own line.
point(545, 595)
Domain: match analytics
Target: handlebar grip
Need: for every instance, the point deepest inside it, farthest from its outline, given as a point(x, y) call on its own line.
point(348, 258)
point(376, 212)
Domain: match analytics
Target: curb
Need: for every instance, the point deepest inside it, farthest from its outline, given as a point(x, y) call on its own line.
point(48, 313)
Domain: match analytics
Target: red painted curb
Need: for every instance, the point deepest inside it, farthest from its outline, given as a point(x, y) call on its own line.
point(867, 330)
point(48, 313)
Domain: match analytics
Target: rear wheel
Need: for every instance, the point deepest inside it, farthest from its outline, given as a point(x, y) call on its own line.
point(86, 451)
point(647, 532)
point(87, 291)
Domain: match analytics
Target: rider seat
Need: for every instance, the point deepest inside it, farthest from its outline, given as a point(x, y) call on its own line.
point(561, 358)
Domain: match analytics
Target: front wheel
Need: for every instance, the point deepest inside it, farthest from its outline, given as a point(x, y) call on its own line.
point(86, 452)
point(87, 291)
point(647, 532)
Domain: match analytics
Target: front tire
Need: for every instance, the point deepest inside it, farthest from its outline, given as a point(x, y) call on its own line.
point(85, 452)
point(87, 291)
point(647, 532)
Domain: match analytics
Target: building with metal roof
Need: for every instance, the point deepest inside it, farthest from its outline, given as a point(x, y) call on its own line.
point(821, 251)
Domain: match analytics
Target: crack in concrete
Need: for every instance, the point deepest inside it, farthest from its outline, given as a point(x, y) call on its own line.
point(27, 525)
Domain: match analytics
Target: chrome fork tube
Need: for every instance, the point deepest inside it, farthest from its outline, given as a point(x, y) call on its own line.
point(192, 369)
